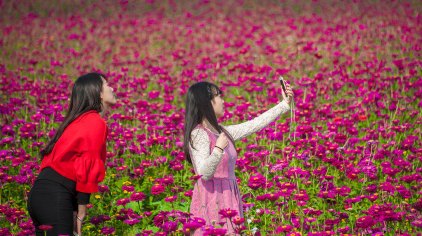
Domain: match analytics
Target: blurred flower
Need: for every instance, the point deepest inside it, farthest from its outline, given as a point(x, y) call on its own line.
point(214, 231)
point(122, 201)
point(257, 181)
point(131, 221)
point(127, 188)
point(137, 196)
point(284, 229)
point(169, 226)
point(157, 189)
point(364, 222)
point(160, 218)
point(96, 220)
point(171, 198)
point(45, 227)
point(227, 213)
point(107, 230)
point(417, 223)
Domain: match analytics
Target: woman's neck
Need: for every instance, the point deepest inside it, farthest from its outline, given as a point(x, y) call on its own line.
point(105, 109)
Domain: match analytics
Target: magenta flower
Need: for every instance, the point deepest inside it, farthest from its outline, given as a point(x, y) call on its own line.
point(157, 189)
point(365, 222)
point(417, 223)
point(192, 225)
point(257, 181)
point(168, 180)
point(128, 188)
point(343, 230)
point(214, 231)
point(327, 194)
point(160, 218)
point(96, 220)
point(238, 220)
point(122, 201)
point(5, 231)
point(169, 226)
point(103, 188)
point(107, 230)
point(303, 196)
point(45, 227)
point(137, 196)
point(131, 221)
point(283, 229)
point(7, 130)
point(227, 213)
point(171, 198)
point(403, 191)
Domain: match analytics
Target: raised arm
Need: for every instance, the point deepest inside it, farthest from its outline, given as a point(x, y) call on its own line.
point(242, 130)
point(204, 162)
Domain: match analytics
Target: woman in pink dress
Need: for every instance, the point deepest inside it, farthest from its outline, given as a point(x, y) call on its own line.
point(210, 148)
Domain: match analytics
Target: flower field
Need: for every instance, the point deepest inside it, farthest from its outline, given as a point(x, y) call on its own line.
point(349, 163)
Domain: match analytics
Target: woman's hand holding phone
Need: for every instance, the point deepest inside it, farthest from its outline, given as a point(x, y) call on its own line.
point(287, 91)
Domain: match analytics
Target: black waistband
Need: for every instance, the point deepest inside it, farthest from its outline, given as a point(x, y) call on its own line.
point(49, 173)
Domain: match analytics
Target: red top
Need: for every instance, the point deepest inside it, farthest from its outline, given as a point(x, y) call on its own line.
point(80, 152)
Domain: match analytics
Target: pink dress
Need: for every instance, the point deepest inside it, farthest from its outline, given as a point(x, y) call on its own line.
point(219, 192)
point(217, 189)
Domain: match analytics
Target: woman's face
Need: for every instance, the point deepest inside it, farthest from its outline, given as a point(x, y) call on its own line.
point(218, 105)
point(107, 95)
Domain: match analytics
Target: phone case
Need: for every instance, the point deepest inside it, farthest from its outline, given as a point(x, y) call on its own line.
point(283, 84)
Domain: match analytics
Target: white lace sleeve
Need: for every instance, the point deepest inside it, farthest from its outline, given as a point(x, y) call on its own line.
point(204, 162)
point(242, 130)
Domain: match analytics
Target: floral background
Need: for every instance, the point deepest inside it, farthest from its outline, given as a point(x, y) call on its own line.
point(346, 161)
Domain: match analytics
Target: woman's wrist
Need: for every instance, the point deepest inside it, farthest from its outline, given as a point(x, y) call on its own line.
point(222, 150)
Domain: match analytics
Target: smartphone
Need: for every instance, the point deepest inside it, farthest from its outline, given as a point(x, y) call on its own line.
point(283, 84)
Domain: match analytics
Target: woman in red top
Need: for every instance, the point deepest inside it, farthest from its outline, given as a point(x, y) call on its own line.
point(73, 160)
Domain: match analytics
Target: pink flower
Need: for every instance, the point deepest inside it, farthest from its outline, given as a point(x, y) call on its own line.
point(137, 196)
point(238, 220)
point(122, 202)
point(365, 222)
point(128, 188)
point(193, 224)
point(227, 213)
point(107, 230)
point(157, 189)
point(131, 221)
point(103, 188)
point(45, 227)
point(171, 198)
point(256, 181)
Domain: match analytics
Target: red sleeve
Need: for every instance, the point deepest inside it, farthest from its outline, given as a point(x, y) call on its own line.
point(89, 165)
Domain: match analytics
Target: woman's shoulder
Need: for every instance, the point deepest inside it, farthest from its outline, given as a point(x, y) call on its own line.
point(198, 129)
point(199, 135)
point(91, 119)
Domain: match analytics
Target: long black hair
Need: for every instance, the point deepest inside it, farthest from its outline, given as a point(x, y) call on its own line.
point(86, 96)
point(198, 108)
